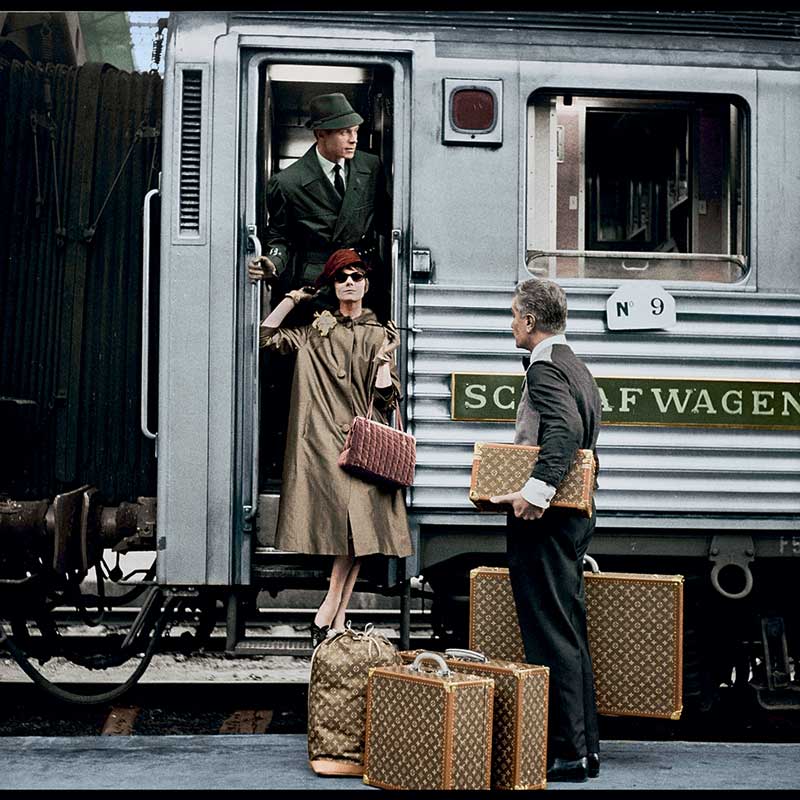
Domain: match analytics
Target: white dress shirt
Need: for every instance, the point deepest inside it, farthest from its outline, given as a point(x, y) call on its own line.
point(327, 168)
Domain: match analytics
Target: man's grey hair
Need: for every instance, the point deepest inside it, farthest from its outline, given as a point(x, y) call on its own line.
point(546, 301)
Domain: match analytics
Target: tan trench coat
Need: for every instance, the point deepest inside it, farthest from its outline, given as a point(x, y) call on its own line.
point(333, 377)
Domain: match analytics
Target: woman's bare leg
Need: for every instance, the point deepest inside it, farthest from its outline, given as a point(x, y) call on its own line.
point(340, 572)
point(347, 591)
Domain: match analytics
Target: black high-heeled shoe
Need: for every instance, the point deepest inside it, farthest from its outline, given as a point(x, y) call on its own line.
point(318, 634)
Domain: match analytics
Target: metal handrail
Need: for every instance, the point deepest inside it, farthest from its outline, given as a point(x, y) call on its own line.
point(532, 255)
point(254, 248)
point(145, 377)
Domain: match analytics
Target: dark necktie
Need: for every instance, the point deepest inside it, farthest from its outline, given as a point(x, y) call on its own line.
point(338, 183)
point(526, 362)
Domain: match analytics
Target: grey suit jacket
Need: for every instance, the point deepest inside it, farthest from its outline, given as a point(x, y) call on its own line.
point(307, 220)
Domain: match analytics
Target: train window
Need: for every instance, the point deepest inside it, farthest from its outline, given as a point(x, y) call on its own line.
point(649, 188)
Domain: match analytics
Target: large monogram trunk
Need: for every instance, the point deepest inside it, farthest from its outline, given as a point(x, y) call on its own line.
point(428, 730)
point(635, 625)
point(519, 726)
point(504, 469)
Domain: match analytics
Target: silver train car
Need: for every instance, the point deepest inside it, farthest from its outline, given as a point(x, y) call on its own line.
point(646, 161)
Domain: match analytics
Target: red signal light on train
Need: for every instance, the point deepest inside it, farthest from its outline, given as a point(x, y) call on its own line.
point(473, 110)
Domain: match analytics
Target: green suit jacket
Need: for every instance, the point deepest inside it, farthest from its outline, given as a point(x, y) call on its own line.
point(308, 221)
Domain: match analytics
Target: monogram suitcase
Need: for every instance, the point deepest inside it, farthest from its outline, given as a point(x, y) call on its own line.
point(519, 726)
point(504, 468)
point(428, 730)
point(635, 625)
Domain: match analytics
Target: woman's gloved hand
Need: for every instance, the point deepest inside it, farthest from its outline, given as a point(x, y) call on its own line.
point(391, 341)
point(302, 295)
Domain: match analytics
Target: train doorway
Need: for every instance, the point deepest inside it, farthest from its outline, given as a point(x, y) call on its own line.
point(281, 86)
point(286, 90)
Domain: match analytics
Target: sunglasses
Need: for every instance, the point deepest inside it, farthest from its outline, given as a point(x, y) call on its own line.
point(341, 277)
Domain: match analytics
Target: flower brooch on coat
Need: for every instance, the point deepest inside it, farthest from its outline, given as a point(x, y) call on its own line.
point(324, 323)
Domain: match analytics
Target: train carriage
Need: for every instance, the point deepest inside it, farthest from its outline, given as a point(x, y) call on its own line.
point(646, 161)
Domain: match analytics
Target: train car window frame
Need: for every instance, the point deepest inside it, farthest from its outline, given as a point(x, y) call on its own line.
point(675, 210)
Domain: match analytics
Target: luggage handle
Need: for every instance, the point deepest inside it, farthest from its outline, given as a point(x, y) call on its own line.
point(442, 672)
point(466, 655)
point(591, 563)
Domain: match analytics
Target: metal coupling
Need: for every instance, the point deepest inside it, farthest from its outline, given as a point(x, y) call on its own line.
point(732, 553)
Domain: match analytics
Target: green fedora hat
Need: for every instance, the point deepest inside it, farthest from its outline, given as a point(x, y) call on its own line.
point(331, 112)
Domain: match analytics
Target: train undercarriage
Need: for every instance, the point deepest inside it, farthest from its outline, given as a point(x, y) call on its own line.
point(740, 632)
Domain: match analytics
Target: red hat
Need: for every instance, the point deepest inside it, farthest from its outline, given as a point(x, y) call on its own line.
point(339, 260)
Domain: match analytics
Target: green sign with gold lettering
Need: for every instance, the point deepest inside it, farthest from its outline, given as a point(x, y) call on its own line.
point(706, 403)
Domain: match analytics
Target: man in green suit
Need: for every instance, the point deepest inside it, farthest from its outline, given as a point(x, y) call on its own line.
point(332, 197)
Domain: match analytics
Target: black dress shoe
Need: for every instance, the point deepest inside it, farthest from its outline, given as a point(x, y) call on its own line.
point(568, 771)
point(318, 634)
point(593, 765)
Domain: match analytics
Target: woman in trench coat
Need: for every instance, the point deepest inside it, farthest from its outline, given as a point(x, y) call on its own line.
point(344, 359)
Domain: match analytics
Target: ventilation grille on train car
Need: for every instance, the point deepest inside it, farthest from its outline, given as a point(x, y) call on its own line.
point(191, 103)
point(781, 24)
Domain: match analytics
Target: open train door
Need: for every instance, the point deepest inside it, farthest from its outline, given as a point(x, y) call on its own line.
point(278, 85)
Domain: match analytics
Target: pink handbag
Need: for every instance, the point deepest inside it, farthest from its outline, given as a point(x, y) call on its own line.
point(379, 453)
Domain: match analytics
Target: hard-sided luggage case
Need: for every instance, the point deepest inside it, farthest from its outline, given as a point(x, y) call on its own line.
point(519, 727)
point(635, 625)
point(504, 469)
point(428, 730)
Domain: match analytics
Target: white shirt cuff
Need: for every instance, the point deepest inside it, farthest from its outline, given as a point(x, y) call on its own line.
point(538, 493)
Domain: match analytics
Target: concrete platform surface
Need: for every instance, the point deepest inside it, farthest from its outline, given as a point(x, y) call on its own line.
point(279, 761)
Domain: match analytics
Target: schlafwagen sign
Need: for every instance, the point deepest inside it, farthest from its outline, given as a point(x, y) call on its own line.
point(705, 403)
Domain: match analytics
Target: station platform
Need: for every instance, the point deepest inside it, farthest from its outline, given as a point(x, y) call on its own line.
point(279, 761)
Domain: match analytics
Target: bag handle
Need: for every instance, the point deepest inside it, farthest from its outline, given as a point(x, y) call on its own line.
point(426, 655)
point(591, 563)
point(398, 418)
point(466, 655)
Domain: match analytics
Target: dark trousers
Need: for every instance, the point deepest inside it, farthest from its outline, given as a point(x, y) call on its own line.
point(545, 560)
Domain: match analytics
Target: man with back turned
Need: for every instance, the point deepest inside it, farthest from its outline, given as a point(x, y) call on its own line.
point(559, 411)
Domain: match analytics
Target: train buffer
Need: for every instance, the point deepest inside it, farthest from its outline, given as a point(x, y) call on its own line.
point(279, 761)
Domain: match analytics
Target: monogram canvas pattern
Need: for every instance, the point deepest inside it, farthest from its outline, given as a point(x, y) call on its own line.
point(494, 629)
point(337, 693)
point(406, 735)
point(532, 758)
point(635, 625)
point(519, 719)
point(504, 468)
point(635, 635)
point(472, 742)
point(412, 742)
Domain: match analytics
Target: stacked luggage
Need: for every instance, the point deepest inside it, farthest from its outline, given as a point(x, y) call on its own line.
point(468, 723)
point(478, 720)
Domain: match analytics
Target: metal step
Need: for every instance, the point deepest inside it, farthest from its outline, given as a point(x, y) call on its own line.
point(273, 646)
point(300, 646)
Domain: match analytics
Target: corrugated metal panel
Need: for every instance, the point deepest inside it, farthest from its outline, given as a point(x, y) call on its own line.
point(740, 24)
point(643, 469)
point(70, 286)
